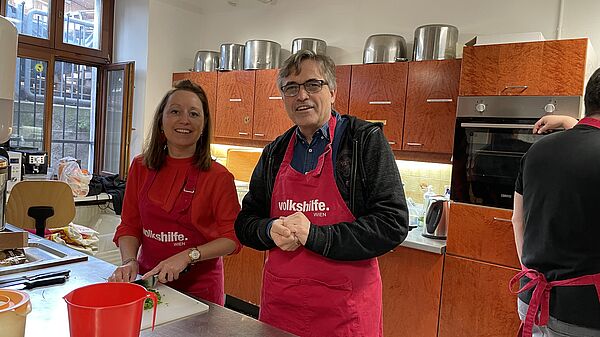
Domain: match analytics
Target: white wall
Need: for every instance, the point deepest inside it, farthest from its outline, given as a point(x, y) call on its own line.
point(180, 27)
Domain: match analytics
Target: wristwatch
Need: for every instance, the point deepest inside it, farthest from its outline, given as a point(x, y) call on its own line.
point(194, 255)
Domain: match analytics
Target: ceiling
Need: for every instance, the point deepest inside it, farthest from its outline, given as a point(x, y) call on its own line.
point(219, 6)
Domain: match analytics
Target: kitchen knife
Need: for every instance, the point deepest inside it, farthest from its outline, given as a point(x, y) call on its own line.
point(150, 282)
point(20, 279)
point(22, 285)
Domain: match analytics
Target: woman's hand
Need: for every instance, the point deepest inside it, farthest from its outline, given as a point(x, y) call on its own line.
point(550, 122)
point(168, 270)
point(125, 273)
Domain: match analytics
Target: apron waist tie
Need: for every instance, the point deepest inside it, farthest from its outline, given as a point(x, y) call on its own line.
point(540, 299)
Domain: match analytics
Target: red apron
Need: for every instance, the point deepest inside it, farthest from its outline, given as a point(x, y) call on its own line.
point(540, 299)
point(308, 294)
point(168, 233)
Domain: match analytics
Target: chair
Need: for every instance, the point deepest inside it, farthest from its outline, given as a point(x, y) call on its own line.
point(37, 204)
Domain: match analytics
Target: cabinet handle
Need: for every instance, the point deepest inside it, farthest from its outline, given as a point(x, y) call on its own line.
point(275, 97)
point(235, 100)
point(522, 87)
point(259, 134)
point(502, 219)
point(439, 100)
point(380, 102)
point(382, 121)
point(392, 143)
point(414, 144)
point(243, 133)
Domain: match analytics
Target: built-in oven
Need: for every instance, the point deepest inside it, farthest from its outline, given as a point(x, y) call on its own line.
point(491, 136)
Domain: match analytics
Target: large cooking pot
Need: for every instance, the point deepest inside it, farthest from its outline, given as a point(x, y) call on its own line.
point(206, 60)
point(232, 57)
point(319, 47)
point(435, 42)
point(261, 54)
point(384, 48)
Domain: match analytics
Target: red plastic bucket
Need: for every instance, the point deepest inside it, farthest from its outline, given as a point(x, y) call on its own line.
point(107, 310)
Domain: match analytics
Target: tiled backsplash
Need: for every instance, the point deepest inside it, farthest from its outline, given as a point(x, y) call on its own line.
point(416, 175)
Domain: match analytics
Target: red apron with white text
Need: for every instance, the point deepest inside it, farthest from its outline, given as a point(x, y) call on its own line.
point(167, 233)
point(308, 294)
point(538, 311)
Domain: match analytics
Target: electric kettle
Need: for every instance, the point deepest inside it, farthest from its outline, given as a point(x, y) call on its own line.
point(436, 218)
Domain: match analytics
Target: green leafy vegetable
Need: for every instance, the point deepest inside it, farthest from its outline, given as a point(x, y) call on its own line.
point(148, 304)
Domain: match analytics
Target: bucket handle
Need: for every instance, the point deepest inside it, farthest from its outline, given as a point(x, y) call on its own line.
point(154, 299)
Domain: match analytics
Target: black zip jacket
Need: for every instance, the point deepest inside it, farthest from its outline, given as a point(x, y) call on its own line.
point(368, 180)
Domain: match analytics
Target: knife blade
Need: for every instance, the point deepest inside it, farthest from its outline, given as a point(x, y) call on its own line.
point(23, 285)
point(150, 282)
point(64, 272)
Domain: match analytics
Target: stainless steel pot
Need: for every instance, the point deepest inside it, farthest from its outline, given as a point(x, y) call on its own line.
point(384, 48)
point(316, 45)
point(435, 42)
point(232, 57)
point(206, 60)
point(261, 54)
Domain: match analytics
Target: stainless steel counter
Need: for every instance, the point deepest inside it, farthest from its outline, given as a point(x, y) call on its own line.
point(417, 241)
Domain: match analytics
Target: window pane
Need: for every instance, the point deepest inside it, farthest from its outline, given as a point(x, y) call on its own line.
point(30, 95)
point(82, 23)
point(73, 113)
point(30, 17)
point(114, 121)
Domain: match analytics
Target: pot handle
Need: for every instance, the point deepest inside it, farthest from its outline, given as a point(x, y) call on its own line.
point(154, 299)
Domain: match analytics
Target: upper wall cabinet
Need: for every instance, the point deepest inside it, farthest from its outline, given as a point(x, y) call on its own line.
point(546, 68)
point(377, 93)
point(342, 77)
point(431, 106)
point(270, 117)
point(235, 104)
point(208, 82)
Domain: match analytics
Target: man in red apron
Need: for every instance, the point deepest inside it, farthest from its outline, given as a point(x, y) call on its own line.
point(325, 199)
point(556, 228)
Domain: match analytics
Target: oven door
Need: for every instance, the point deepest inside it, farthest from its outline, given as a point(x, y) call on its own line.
point(486, 158)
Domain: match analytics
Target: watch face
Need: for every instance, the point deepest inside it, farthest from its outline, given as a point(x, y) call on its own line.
point(195, 254)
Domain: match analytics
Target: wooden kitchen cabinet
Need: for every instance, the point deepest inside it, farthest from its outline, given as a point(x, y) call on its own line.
point(377, 93)
point(235, 104)
point(412, 281)
point(243, 275)
point(342, 77)
point(208, 82)
point(528, 69)
point(270, 117)
point(431, 106)
point(476, 300)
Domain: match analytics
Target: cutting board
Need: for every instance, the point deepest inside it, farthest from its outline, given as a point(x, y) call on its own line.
point(174, 306)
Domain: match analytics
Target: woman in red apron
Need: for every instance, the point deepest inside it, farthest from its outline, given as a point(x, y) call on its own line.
point(179, 205)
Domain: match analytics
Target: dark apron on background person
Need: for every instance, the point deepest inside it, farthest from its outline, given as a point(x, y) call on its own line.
point(167, 233)
point(538, 311)
point(308, 294)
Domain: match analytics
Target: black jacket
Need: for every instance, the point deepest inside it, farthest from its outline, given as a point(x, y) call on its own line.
point(368, 180)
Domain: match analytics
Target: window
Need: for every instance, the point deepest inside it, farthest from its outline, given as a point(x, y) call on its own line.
point(30, 17)
point(30, 104)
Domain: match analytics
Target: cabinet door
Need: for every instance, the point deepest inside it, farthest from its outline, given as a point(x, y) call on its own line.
point(519, 70)
point(479, 73)
point(412, 283)
point(235, 104)
point(208, 82)
point(377, 93)
point(270, 117)
point(342, 76)
point(243, 275)
point(476, 300)
point(431, 106)
point(563, 68)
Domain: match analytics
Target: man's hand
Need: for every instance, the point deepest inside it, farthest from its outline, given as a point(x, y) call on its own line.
point(283, 237)
point(299, 225)
point(168, 270)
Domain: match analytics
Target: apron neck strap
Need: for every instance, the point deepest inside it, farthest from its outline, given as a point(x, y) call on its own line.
point(590, 121)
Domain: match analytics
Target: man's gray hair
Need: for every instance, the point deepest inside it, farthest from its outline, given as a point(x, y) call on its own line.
point(293, 63)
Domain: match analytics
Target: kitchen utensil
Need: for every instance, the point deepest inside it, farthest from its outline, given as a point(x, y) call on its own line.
point(206, 60)
point(107, 309)
point(261, 54)
point(435, 42)
point(64, 272)
point(316, 45)
point(150, 282)
point(175, 306)
point(384, 48)
point(436, 218)
point(14, 307)
point(232, 57)
point(22, 285)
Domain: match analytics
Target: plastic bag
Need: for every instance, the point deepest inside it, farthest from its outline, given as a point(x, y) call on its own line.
point(77, 237)
point(70, 172)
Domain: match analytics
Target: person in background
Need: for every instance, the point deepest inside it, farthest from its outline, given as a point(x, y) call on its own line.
point(556, 228)
point(550, 122)
point(179, 205)
point(325, 199)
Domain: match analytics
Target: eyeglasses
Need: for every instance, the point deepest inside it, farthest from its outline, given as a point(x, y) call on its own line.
point(311, 87)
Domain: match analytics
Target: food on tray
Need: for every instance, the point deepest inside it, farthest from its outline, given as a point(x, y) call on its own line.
point(11, 257)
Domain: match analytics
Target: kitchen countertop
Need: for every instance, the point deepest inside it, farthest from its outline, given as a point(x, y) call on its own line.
point(49, 315)
point(417, 241)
